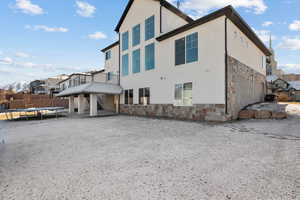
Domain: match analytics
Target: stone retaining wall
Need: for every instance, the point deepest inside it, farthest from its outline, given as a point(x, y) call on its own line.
point(199, 112)
point(245, 86)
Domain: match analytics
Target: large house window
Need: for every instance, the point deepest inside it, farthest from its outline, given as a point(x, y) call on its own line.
point(186, 49)
point(192, 48)
point(183, 94)
point(150, 57)
point(149, 28)
point(70, 83)
point(128, 95)
point(125, 37)
point(180, 51)
point(125, 70)
point(136, 35)
point(144, 96)
point(107, 55)
point(136, 61)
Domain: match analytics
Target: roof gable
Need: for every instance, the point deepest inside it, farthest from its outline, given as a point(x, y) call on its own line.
point(162, 3)
point(231, 14)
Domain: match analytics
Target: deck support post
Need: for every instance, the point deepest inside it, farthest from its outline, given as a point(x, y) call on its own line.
point(93, 105)
point(81, 104)
point(71, 104)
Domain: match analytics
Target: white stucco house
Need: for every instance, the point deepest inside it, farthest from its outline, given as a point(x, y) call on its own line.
point(169, 65)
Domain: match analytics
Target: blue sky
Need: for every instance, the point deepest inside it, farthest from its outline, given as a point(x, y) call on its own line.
point(43, 38)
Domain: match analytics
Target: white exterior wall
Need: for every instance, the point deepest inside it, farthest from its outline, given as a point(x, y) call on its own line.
point(112, 65)
point(170, 20)
point(243, 49)
point(207, 75)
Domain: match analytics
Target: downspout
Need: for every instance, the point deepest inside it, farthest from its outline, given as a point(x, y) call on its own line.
point(119, 81)
point(160, 18)
point(226, 68)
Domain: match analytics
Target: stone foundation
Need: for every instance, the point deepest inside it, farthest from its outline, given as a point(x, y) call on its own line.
point(200, 112)
point(245, 87)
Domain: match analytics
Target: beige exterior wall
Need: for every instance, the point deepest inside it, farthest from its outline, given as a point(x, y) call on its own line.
point(207, 75)
point(170, 21)
point(112, 64)
point(243, 49)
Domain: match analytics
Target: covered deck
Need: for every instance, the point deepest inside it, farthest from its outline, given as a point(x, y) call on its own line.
point(94, 96)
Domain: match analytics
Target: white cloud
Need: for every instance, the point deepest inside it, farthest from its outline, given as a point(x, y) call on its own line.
point(290, 43)
point(46, 28)
point(295, 26)
point(22, 55)
point(290, 68)
point(202, 7)
point(267, 23)
point(97, 36)
point(34, 65)
point(29, 8)
point(6, 61)
point(264, 35)
point(85, 9)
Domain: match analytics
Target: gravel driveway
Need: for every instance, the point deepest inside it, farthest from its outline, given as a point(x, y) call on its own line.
point(138, 158)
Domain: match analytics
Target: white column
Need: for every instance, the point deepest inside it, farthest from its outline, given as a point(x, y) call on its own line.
point(71, 104)
point(93, 105)
point(117, 103)
point(81, 104)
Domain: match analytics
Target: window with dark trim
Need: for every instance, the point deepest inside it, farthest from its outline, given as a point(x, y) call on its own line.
point(136, 61)
point(186, 49)
point(180, 51)
point(149, 28)
point(136, 35)
point(125, 42)
point(107, 55)
point(128, 96)
point(144, 96)
point(125, 63)
point(150, 57)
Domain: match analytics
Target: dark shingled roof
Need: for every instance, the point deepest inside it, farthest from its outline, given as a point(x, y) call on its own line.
point(110, 46)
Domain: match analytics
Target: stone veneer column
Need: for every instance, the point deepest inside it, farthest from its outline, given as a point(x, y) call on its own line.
point(71, 104)
point(81, 104)
point(93, 105)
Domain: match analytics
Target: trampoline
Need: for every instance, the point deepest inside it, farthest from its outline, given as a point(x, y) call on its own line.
point(30, 112)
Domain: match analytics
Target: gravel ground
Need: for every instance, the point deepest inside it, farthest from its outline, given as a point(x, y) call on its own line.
point(125, 157)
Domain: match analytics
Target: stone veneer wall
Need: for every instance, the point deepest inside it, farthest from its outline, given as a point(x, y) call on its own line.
point(245, 86)
point(198, 112)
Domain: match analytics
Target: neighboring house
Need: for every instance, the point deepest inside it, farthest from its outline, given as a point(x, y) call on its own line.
point(47, 86)
point(296, 86)
point(285, 90)
point(37, 87)
point(272, 65)
point(74, 80)
point(177, 67)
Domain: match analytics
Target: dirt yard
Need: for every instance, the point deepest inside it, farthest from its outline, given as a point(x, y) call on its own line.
point(125, 157)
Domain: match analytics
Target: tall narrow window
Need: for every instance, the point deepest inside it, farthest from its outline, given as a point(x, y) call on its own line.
point(125, 70)
point(136, 35)
point(107, 55)
point(183, 94)
point(125, 41)
point(144, 96)
point(180, 51)
point(192, 48)
point(150, 57)
point(149, 28)
point(136, 61)
point(128, 96)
